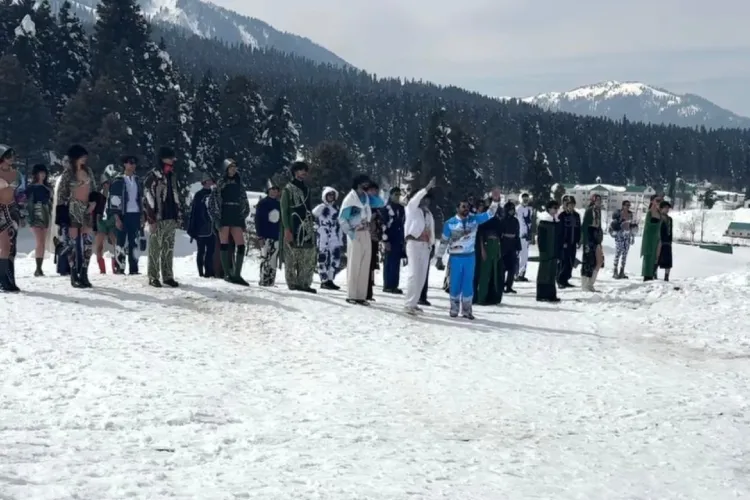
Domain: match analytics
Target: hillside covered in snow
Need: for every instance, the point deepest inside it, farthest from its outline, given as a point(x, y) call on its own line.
point(640, 102)
point(211, 21)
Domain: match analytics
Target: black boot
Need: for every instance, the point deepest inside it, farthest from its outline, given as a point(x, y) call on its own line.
point(5, 285)
point(12, 276)
point(75, 280)
point(239, 258)
point(39, 271)
point(83, 276)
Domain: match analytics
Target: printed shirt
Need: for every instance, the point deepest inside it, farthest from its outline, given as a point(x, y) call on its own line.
point(460, 234)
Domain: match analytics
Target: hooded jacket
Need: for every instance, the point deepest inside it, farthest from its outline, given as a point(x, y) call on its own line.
point(327, 225)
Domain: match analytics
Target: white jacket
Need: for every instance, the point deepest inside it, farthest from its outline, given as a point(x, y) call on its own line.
point(418, 220)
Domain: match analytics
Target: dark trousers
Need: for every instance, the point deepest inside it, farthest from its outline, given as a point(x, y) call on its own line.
point(205, 257)
point(565, 265)
point(392, 266)
point(423, 297)
point(510, 266)
point(127, 240)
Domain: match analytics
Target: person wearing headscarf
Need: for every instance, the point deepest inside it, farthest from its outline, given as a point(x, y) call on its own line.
point(330, 239)
point(39, 208)
point(229, 209)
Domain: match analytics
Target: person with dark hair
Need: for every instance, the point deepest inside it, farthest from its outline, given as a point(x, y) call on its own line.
point(570, 223)
point(459, 239)
point(376, 235)
point(125, 206)
point(76, 202)
point(525, 215)
point(356, 219)
point(420, 243)
point(104, 226)
point(39, 207)
point(267, 217)
point(650, 238)
point(622, 228)
point(510, 245)
point(11, 183)
point(200, 227)
point(229, 210)
point(329, 239)
point(489, 277)
point(394, 217)
point(549, 252)
point(591, 241)
point(298, 226)
point(163, 211)
point(664, 259)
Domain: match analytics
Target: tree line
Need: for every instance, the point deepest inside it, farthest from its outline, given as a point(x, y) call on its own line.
point(122, 85)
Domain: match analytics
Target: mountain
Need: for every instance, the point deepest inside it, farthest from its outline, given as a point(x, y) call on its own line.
point(640, 102)
point(211, 21)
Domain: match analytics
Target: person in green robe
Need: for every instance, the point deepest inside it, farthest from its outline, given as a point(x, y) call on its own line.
point(549, 242)
point(651, 237)
point(489, 280)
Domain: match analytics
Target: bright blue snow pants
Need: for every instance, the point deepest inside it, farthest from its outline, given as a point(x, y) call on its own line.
point(462, 276)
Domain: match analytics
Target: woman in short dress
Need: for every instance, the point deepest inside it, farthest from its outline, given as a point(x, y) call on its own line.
point(10, 219)
point(39, 205)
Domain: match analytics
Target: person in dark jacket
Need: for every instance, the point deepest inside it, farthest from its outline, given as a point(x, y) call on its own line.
point(664, 259)
point(394, 217)
point(267, 227)
point(229, 209)
point(201, 229)
point(548, 241)
point(162, 207)
point(125, 206)
point(570, 226)
point(510, 244)
point(489, 277)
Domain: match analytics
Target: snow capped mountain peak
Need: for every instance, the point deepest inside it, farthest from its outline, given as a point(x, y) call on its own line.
point(639, 102)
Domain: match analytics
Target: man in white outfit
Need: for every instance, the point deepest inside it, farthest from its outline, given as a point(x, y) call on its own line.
point(524, 214)
point(419, 230)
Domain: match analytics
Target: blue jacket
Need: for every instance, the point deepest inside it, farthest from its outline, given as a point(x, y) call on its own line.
point(460, 234)
point(199, 223)
point(350, 216)
point(267, 218)
point(394, 218)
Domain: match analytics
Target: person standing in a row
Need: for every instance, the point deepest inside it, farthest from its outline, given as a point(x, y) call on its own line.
point(267, 226)
point(125, 205)
point(200, 228)
point(298, 226)
point(419, 233)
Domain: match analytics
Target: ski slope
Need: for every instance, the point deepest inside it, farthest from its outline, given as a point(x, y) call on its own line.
point(215, 392)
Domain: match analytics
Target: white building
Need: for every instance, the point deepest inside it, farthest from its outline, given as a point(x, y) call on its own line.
point(612, 196)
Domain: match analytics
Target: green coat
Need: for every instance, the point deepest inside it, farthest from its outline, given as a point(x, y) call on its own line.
point(649, 245)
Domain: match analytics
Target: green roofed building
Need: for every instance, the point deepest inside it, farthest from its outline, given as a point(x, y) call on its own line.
point(738, 230)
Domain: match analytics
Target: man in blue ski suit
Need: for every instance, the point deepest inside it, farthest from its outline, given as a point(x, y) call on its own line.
point(459, 238)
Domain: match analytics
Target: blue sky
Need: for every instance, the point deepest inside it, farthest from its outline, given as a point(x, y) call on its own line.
point(521, 48)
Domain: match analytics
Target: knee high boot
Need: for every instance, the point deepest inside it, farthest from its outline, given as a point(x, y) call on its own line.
point(239, 258)
point(5, 285)
point(12, 275)
point(226, 263)
point(88, 250)
point(76, 261)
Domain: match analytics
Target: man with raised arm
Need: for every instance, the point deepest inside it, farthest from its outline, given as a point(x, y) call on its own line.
point(419, 231)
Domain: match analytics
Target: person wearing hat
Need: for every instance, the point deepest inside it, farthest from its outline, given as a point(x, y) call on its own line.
point(163, 213)
point(298, 227)
point(549, 246)
point(525, 215)
point(10, 218)
point(76, 202)
point(394, 218)
point(201, 228)
point(104, 225)
point(267, 228)
point(570, 225)
point(330, 239)
point(125, 208)
point(229, 209)
point(39, 208)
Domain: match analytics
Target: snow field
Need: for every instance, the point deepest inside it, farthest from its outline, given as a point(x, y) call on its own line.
point(212, 391)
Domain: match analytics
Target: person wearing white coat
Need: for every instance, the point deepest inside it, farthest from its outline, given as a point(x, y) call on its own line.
point(330, 239)
point(419, 230)
point(524, 214)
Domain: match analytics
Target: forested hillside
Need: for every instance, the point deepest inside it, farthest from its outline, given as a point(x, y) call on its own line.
point(119, 91)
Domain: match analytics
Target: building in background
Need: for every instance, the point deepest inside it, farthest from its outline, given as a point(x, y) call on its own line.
point(612, 196)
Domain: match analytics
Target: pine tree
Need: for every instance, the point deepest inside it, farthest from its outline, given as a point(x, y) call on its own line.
point(72, 55)
point(111, 141)
point(331, 165)
point(242, 113)
point(25, 122)
point(174, 119)
point(280, 140)
point(206, 126)
point(436, 162)
point(120, 23)
point(465, 170)
point(541, 180)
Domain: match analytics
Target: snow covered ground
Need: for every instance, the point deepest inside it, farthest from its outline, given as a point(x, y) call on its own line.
point(217, 392)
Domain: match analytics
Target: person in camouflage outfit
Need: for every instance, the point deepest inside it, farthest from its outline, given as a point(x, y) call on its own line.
point(298, 231)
